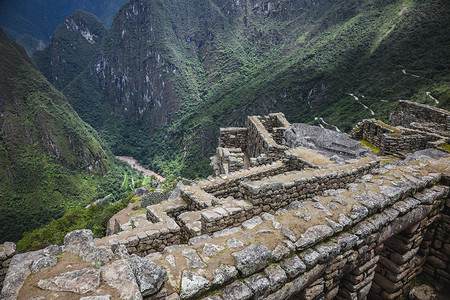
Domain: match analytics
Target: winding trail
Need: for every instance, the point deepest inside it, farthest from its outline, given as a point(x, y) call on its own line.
point(365, 106)
point(406, 73)
point(435, 100)
point(134, 164)
point(326, 123)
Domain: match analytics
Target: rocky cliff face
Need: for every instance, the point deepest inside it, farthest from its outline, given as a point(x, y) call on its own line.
point(74, 45)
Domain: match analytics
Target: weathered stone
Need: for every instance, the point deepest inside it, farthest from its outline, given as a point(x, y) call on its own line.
point(335, 226)
point(370, 203)
point(224, 274)
point(310, 258)
point(235, 243)
point(297, 284)
point(43, 263)
point(289, 234)
point(120, 251)
point(259, 285)
point(171, 260)
point(172, 248)
point(79, 281)
point(437, 262)
point(346, 241)
point(103, 297)
point(212, 250)
point(10, 248)
point(155, 197)
point(200, 238)
point(252, 223)
point(267, 216)
point(172, 225)
point(119, 276)
point(280, 252)
point(327, 251)
point(422, 292)
point(363, 229)
point(252, 259)
point(322, 208)
point(193, 285)
point(276, 276)
point(81, 243)
point(264, 231)
point(358, 213)
point(153, 256)
point(313, 235)
point(340, 201)
point(392, 194)
point(149, 276)
point(19, 270)
point(193, 260)
point(227, 231)
point(293, 266)
point(344, 220)
point(211, 216)
point(276, 225)
point(236, 291)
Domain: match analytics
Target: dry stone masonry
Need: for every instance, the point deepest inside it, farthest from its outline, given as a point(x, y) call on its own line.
point(413, 127)
point(331, 221)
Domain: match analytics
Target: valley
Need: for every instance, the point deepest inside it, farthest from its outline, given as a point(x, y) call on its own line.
point(135, 165)
point(151, 82)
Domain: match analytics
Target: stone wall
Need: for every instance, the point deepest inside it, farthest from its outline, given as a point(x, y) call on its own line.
point(276, 124)
point(407, 112)
point(280, 191)
point(438, 239)
point(7, 251)
point(273, 195)
point(260, 141)
point(388, 139)
point(371, 254)
point(229, 160)
point(233, 137)
point(230, 187)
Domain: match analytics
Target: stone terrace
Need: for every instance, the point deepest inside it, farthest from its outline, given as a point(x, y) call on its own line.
point(337, 242)
point(300, 226)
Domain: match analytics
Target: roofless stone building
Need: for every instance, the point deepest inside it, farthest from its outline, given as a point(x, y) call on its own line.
point(294, 212)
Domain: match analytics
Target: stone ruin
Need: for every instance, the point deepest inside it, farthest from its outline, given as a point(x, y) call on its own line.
point(413, 127)
point(277, 223)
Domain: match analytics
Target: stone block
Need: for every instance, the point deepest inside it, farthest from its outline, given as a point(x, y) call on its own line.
point(236, 291)
point(276, 276)
point(293, 266)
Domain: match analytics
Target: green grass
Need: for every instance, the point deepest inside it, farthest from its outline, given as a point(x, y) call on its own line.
point(372, 147)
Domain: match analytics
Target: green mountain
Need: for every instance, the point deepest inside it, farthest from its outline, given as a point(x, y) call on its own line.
point(50, 160)
point(32, 22)
point(170, 73)
point(75, 43)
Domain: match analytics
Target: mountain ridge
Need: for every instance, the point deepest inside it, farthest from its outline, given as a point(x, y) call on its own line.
point(169, 73)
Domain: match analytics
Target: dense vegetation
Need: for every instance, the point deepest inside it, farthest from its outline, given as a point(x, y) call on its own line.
point(50, 160)
point(168, 77)
point(32, 22)
point(95, 218)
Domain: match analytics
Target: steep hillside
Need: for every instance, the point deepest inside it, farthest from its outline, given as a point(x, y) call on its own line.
point(32, 22)
point(170, 73)
point(50, 159)
point(75, 43)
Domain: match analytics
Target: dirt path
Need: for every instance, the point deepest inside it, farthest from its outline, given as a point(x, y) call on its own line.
point(134, 164)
